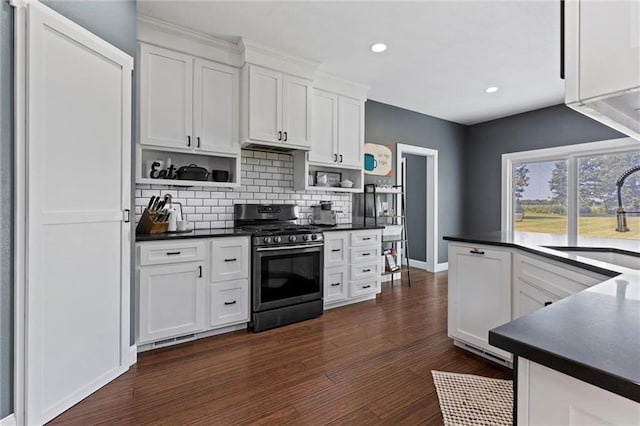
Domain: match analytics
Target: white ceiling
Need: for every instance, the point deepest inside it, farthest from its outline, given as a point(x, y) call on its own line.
point(441, 54)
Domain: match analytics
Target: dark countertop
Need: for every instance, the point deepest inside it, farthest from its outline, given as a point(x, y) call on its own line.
point(593, 335)
point(232, 232)
point(196, 233)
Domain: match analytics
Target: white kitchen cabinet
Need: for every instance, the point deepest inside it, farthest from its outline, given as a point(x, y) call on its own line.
point(187, 103)
point(548, 397)
point(166, 97)
point(171, 301)
point(337, 130)
point(228, 302)
point(229, 258)
point(352, 267)
point(277, 110)
point(602, 61)
point(336, 284)
point(336, 248)
point(479, 294)
point(538, 281)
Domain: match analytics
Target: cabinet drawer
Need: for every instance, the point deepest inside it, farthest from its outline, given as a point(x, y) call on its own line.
point(335, 284)
point(335, 249)
point(229, 258)
point(160, 253)
point(364, 254)
point(228, 302)
point(365, 287)
point(365, 270)
point(365, 238)
point(557, 279)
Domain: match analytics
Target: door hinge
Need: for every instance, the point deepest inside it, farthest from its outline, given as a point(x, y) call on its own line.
point(126, 215)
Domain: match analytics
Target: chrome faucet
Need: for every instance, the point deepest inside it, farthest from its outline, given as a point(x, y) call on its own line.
point(621, 214)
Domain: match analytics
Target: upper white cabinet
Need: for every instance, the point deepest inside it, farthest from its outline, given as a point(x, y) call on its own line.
point(602, 61)
point(187, 103)
point(278, 108)
point(337, 130)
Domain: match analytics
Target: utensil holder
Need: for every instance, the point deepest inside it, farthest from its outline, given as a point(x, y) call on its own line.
point(148, 224)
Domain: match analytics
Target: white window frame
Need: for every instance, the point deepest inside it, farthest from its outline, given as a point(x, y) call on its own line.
point(570, 153)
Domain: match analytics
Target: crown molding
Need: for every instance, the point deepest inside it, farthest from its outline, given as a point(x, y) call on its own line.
point(165, 34)
point(257, 54)
point(339, 85)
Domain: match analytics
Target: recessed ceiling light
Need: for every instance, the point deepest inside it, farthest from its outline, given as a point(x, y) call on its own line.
point(378, 47)
point(492, 89)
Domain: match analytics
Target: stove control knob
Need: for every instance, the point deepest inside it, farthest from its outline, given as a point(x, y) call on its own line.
point(305, 237)
point(292, 238)
point(267, 240)
point(314, 237)
point(277, 239)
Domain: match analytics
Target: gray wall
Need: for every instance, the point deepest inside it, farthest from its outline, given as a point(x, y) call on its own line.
point(386, 124)
point(114, 21)
point(416, 210)
point(6, 209)
point(486, 142)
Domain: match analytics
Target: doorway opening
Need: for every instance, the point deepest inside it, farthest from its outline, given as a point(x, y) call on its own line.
point(418, 168)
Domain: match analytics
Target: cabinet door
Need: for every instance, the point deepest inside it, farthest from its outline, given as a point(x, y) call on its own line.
point(479, 293)
point(296, 111)
point(335, 249)
point(335, 284)
point(528, 298)
point(166, 100)
point(229, 258)
point(324, 134)
point(609, 47)
point(170, 301)
point(265, 104)
point(350, 132)
point(365, 287)
point(216, 109)
point(228, 302)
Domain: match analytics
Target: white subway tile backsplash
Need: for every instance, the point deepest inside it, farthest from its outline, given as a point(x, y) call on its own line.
point(265, 177)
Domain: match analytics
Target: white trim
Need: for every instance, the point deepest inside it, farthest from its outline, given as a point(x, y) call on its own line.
point(132, 357)
point(442, 267)
point(10, 420)
point(419, 264)
point(432, 196)
point(567, 152)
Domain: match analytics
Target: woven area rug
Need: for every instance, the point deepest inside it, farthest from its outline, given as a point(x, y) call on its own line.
point(466, 399)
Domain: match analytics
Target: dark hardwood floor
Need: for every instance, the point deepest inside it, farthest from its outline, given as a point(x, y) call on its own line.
point(368, 363)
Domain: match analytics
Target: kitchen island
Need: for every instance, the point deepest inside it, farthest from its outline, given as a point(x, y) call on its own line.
point(577, 359)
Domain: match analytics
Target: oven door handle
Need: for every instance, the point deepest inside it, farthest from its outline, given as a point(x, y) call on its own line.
point(288, 247)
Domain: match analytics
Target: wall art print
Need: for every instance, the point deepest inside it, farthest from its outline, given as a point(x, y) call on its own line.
point(378, 159)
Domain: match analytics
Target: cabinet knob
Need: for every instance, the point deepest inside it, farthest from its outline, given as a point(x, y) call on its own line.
point(476, 251)
point(547, 303)
point(341, 158)
point(199, 271)
point(285, 136)
point(230, 303)
point(188, 140)
point(198, 140)
point(366, 286)
point(335, 158)
point(279, 135)
point(335, 284)
point(334, 250)
point(231, 260)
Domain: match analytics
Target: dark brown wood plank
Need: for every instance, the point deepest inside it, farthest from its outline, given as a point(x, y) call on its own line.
point(368, 363)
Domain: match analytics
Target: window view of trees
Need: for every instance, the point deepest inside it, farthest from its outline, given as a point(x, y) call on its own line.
point(540, 192)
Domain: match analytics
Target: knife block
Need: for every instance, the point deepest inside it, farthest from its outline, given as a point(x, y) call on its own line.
point(148, 224)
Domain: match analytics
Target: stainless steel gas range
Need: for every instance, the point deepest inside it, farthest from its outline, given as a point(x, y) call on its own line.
point(286, 265)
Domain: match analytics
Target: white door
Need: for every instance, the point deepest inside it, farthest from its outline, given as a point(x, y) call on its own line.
point(216, 109)
point(166, 100)
point(265, 105)
point(296, 111)
point(350, 132)
point(324, 125)
point(171, 301)
point(76, 178)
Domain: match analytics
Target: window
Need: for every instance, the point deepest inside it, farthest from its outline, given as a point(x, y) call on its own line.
point(570, 193)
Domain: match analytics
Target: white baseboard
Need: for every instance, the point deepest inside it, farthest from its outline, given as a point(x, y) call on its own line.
point(133, 355)
point(10, 420)
point(418, 264)
point(442, 267)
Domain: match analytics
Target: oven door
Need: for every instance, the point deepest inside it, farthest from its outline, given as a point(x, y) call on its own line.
point(284, 276)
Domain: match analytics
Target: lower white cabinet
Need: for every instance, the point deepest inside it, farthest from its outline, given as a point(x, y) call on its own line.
point(548, 397)
point(352, 267)
point(179, 299)
point(170, 301)
point(479, 295)
point(538, 282)
point(228, 302)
